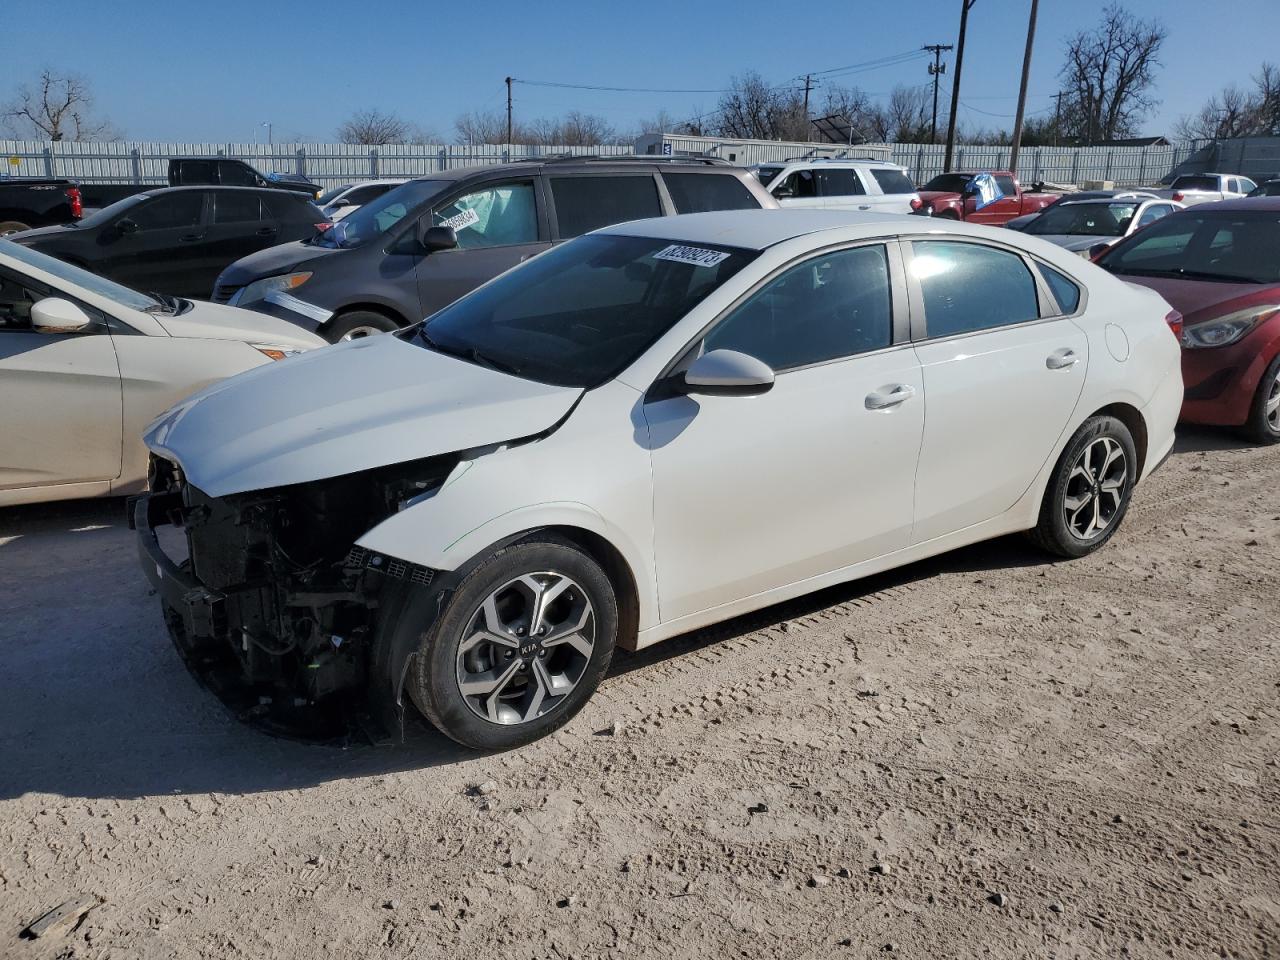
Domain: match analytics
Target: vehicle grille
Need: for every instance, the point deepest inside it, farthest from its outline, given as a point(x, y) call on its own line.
point(362, 559)
point(223, 292)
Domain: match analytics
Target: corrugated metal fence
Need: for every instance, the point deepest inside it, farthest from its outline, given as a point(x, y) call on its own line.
point(330, 164)
point(326, 163)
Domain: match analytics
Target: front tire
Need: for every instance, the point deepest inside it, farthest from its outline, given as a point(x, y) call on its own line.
point(358, 324)
point(1263, 425)
point(523, 643)
point(1090, 490)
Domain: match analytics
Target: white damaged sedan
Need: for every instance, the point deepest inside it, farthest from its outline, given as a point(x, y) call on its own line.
point(650, 428)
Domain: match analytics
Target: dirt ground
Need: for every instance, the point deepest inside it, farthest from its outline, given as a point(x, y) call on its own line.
point(987, 754)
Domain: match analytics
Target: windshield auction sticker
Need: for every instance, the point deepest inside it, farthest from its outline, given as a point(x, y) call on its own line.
point(697, 256)
point(461, 220)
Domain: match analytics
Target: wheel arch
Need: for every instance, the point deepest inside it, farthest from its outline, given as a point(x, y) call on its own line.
point(1133, 419)
point(616, 568)
point(382, 309)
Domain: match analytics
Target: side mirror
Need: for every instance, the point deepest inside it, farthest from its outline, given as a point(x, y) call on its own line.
point(432, 239)
point(1098, 249)
point(126, 227)
point(728, 373)
point(55, 315)
point(341, 202)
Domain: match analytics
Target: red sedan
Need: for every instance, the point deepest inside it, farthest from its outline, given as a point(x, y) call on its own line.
point(1218, 264)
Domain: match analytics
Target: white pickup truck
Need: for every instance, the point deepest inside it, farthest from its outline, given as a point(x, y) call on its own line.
point(1193, 188)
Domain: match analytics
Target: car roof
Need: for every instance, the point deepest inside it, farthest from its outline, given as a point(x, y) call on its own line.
point(832, 162)
point(156, 191)
point(758, 229)
point(635, 162)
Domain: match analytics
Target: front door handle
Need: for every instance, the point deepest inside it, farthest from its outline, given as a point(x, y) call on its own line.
point(267, 232)
point(887, 397)
point(191, 238)
point(1061, 359)
point(864, 206)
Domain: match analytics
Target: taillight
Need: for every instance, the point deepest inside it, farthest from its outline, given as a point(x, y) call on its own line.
point(77, 203)
point(916, 203)
point(1179, 197)
point(322, 227)
point(1174, 319)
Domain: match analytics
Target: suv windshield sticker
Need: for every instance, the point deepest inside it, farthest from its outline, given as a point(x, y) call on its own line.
point(460, 221)
point(697, 256)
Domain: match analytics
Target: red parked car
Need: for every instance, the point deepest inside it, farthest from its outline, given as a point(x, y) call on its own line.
point(1218, 264)
point(947, 195)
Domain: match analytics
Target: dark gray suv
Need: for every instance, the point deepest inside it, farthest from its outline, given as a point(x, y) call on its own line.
point(384, 266)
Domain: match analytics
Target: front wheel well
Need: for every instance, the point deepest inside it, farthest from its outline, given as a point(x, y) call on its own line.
point(1132, 418)
point(619, 573)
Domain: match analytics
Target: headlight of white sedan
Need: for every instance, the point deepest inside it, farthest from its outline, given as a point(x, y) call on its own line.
point(259, 289)
point(1225, 331)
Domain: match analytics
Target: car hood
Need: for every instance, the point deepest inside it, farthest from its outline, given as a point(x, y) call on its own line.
point(37, 235)
point(367, 403)
point(282, 258)
point(212, 321)
point(936, 196)
point(1200, 300)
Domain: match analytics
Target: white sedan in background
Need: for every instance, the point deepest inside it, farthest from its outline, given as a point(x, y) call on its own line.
point(650, 428)
point(86, 364)
point(347, 199)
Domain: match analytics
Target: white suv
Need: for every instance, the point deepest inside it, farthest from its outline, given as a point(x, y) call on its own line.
point(817, 182)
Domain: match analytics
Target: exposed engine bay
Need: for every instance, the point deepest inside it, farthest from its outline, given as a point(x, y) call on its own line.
point(277, 609)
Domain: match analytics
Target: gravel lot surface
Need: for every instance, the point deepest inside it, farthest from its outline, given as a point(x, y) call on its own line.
point(987, 754)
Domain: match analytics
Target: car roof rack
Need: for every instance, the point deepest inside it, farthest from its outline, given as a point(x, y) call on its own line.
point(635, 158)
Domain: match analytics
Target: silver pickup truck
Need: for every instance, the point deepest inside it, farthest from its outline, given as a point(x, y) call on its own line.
point(1193, 188)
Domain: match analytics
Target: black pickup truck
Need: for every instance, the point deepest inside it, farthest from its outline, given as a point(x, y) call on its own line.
point(27, 202)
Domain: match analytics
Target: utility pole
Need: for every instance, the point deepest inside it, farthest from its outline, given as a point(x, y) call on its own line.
point(1022, 90)
point(955, 85)
point(508, 111)
point(1057, 116)
point(808, 85)
point(936, 69)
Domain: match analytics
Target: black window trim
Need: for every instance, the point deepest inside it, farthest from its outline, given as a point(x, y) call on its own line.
point(900, 338)
point(1047, 304)
point(553, 217)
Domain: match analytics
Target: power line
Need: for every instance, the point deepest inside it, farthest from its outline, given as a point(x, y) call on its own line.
point(589, 86)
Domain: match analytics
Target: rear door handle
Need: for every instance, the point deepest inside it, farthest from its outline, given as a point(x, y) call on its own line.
point(191, 238)
point(887, 397)
point(864, 206)
point(1061, 359)
point(267, 232)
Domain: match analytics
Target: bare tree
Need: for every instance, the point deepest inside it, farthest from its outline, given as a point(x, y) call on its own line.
point(1109, 73)
point(907, 115)
point(1238, 113)
point(56, 107)
point(585, 129)
point(854, 107)
point(753, 109)
point(373, 127)
point(482, 127)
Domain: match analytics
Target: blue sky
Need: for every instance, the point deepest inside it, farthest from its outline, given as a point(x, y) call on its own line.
point(211, 70)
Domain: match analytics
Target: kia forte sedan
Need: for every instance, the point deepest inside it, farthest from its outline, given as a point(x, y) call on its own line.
point(650, 428)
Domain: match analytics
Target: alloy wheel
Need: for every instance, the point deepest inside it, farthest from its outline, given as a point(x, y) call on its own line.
point(358, 333)
point(1271, 410)
point(1095, 489)
point(525, 648)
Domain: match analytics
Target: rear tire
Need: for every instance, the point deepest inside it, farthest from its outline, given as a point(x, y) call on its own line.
point(12, 226)
point(358, 324)
point(481, 673)
point(1089, 492)
point(1263, 425)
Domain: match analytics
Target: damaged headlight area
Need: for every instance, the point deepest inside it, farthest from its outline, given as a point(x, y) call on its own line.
point(274, 606)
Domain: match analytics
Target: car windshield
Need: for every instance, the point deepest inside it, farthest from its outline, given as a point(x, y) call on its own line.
point(766, 175)
point(109, 213)
point(82, 278)
point(330, 195)
point(377, 217)
point(1233, 246)
point(948, 182)
point(1084, 219)
point(1194, 182)
point(580, 313)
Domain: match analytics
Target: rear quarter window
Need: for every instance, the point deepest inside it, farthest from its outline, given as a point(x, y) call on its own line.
point(701, 192)
point(1064, 289)
point(893, 181)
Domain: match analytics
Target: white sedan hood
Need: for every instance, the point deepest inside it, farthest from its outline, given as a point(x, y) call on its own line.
point(363, 404)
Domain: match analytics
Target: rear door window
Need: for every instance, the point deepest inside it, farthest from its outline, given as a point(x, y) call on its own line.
point(969, 287)
point(839, 182)
point(700, 192)
point(893, 181)
point(587, 203)
point(235, 207)
point(497, 215)
point(195, 171)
